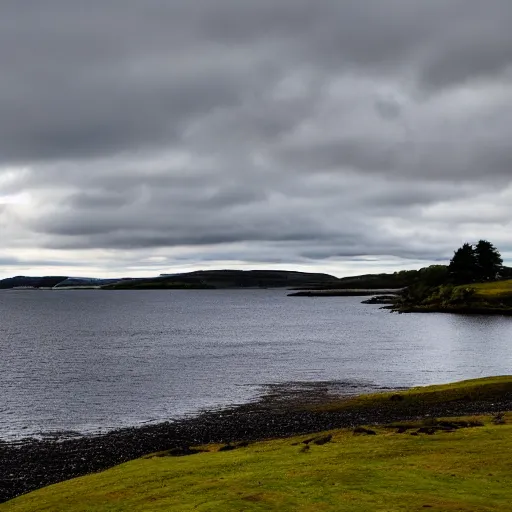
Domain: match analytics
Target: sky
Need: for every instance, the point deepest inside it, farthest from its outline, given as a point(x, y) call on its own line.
point(340, 136)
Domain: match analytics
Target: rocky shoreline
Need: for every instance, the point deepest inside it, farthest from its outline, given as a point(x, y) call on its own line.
point(462, 310)
point(34, 464)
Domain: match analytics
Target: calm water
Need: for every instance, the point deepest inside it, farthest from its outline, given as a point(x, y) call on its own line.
point(89, 360)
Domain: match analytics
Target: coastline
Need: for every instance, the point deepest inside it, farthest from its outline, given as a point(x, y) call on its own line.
point(35, 464)
point(462, 310)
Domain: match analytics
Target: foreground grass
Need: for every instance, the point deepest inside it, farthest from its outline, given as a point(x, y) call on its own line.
point(466, 470)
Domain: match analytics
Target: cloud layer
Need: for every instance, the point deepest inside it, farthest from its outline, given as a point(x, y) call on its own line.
point(139, 137)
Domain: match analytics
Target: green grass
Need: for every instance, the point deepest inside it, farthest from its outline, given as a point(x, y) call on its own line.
point(466, 470)
point(494, 290)
point(489, 388)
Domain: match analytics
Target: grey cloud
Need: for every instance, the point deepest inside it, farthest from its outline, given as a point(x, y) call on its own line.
point(91, 81)
point(29, 263)
point(363, 155)
point(97, 199)
point(388, 107)
point(298, 131)
point(477, 46)
point(77, 121)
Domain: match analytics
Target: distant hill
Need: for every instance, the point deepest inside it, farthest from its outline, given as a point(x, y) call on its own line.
point(400, 279)
point(212, 279)
point(53, 282)
point(229, 279)
point(82, 282)
point(31, 282)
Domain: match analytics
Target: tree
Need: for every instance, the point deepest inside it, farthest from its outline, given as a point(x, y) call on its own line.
point(463, 267)
point(488, 261)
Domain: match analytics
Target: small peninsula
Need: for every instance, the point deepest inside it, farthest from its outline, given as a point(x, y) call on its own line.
point(475, 282)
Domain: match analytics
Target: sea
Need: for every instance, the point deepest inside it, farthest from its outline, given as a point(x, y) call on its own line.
point(89, 361)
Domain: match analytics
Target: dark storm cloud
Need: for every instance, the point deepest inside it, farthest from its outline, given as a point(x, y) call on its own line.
point(84, 81)
point(295, 130)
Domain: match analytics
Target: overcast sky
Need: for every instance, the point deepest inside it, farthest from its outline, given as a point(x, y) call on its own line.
point(346, 136)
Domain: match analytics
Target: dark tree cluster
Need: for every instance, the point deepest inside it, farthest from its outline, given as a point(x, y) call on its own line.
point(475, 263)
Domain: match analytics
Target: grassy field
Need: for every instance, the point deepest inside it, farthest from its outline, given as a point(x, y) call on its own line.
point(466, 469)
point(494, 290)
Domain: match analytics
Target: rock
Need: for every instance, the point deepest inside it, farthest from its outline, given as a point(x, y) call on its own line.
point(227, 448)
point(182, 451)
point(381, 299)
point(499, 418)
point(426, 430)
point(448, 425)
point(322, 440)
point(364, 431)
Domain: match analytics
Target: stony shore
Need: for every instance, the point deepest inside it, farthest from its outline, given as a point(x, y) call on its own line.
point(458, 310)
point(34, 464)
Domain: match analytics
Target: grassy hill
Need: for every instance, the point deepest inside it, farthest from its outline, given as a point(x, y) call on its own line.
point(278, 279)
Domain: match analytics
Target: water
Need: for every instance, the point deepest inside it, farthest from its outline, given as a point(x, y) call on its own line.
point(94, 360)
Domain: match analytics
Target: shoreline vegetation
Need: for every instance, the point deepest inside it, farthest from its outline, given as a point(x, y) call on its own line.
point(392, 416)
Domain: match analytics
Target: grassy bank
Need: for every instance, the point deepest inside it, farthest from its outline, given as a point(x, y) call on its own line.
point(465, 470)
point(497, 290)
point(406, 466)
point(474, 298)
